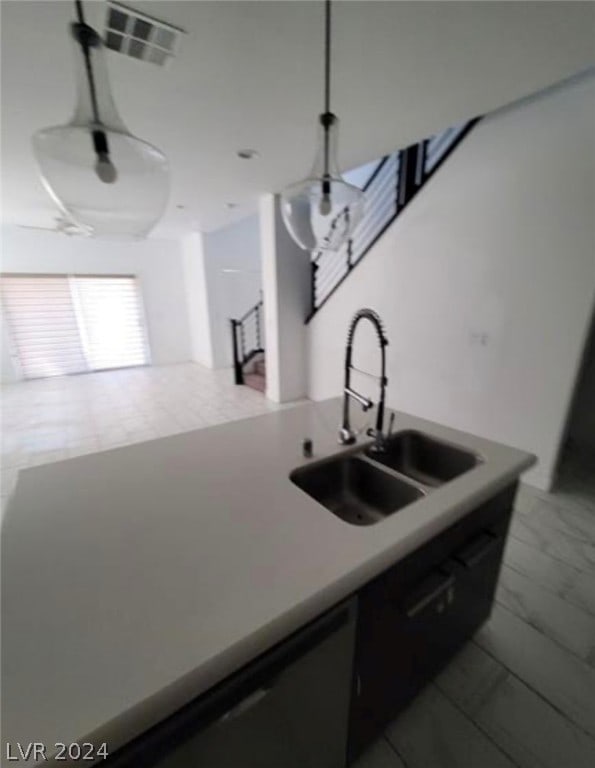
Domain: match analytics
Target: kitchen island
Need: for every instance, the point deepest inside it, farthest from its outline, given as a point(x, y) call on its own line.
point(136, 579)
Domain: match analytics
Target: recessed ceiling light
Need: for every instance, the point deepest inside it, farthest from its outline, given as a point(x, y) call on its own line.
point(180, 207)
point(231, 205)
point(248, 154)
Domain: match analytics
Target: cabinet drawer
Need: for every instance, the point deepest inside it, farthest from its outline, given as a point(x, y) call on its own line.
point(413, 618)
point(478, 549)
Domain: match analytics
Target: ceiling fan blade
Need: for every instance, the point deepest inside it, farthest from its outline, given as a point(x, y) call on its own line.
point(44, 229)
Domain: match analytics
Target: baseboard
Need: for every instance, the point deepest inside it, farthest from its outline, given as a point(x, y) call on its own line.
point(540, 481)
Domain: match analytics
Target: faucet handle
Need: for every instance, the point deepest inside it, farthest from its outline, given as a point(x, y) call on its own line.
point(379, 444)
point(365, 402)
point(347, 436)
point(380, 439)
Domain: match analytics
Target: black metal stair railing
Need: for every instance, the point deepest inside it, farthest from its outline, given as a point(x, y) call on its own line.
point(247, 339)
point(395, 181)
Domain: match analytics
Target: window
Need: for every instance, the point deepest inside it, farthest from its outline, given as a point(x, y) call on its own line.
point(110, 321)
point(63, 324)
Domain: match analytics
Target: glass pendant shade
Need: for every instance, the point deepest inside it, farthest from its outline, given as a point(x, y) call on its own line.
point(104, 179)
point(322, 211)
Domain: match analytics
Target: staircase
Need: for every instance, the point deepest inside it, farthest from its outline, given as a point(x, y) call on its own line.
point(248, 348)
point(255, 374)
point(394, 182)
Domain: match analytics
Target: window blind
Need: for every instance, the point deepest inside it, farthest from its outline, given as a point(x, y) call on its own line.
point(63, 324)
point(111, 321)
point(43, 325)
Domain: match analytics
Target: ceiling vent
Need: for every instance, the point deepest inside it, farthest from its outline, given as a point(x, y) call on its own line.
point(140, 36)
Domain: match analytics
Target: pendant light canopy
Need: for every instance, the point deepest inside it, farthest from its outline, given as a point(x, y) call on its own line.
point(321, 211)
point(101, 176)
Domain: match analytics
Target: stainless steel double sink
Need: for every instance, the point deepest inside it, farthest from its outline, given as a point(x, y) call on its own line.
point(362, 487)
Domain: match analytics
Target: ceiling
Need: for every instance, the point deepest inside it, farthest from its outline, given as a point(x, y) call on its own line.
point(249, 75)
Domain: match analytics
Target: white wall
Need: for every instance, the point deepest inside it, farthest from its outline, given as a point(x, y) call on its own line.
point(286, 284)
point(8, 370)
point(359, 176)
point(486, 282)
point(197, 298)
point(157, 263)
point(231, 294)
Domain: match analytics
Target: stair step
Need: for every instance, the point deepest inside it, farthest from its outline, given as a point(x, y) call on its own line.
point(255, 381)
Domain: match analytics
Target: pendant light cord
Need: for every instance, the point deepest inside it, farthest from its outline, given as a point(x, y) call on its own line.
point(327, 118)
point(327, 58)
point(84, 42)
point(79, 11)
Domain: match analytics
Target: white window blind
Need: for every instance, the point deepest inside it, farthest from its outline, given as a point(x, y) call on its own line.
point(111, 321)
point(63, 324)
point(43, 325)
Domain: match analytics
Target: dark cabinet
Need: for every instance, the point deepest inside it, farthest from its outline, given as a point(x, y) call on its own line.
point(415, 616)
point(322, 695)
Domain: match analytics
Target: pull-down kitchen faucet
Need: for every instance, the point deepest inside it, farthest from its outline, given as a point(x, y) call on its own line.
point(346, 434)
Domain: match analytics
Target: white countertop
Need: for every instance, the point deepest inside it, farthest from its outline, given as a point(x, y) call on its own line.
point(137, 578)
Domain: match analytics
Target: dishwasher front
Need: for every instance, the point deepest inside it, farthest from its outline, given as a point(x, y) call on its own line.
point(288, 708)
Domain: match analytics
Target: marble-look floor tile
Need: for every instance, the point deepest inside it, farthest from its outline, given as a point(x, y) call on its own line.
point(433, 733)
point(49, 420)
point(575, 552)
point(524, 499)
point(564, 623)
point(574, 586)
point(532, 732)
point(470, 678)
point(379, 755)
point(528, 729)
point(564, 680)
point(578, 491)
point(54, 414)
point(575, 486)
point(575, 522)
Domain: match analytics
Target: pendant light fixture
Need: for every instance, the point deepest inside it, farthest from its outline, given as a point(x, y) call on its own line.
point(101, 176)
point(321, 212)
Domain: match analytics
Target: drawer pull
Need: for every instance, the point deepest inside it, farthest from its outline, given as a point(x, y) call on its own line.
point(245, 705)
point(431, 589)
point(474, 552)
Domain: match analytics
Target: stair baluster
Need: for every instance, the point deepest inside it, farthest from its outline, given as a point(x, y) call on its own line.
point(410, 169)
point(247, 344)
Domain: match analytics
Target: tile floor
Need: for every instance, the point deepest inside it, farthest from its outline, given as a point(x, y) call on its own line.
point(521, 693)
point(47, 420)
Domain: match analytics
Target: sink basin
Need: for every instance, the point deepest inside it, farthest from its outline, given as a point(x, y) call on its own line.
point(354, 489)
point(425, 459)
